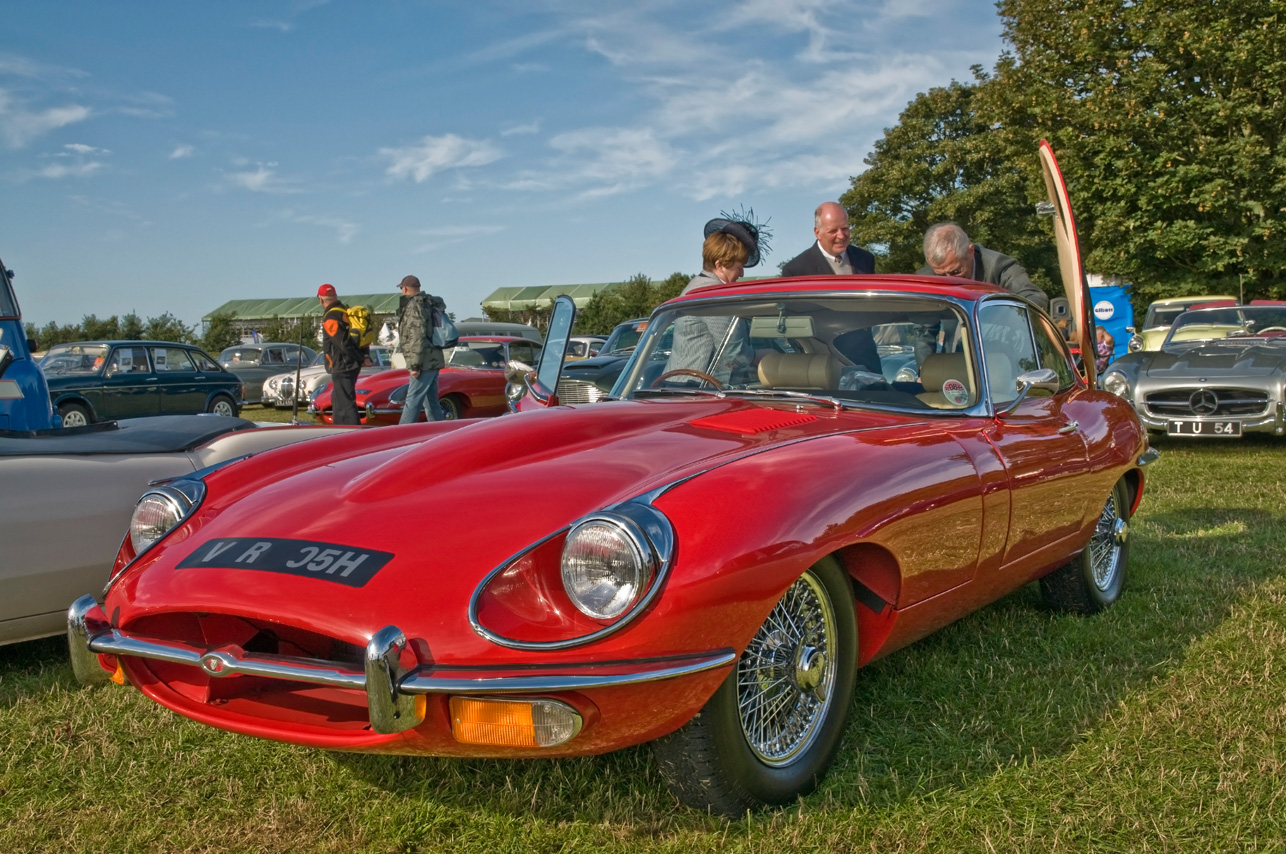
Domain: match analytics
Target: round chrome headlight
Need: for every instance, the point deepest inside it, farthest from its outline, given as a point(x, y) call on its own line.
point(157, 513)
point(605, 567)
point(1115, 382)
point(1135, 343)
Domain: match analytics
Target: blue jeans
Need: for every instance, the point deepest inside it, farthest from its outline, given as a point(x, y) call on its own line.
point(422, 394)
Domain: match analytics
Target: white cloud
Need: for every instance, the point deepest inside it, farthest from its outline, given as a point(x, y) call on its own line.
point(436, 154)
point(56, 171)
point(452, 234)
point(181, 151)
point(19, 126)
point(344, 230)
point(81, 148)
point(528, 127)
point(263, 179)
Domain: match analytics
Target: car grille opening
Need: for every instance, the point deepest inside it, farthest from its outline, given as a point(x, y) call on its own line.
point(579, 391)
point(289, 702)
point(1207, 403)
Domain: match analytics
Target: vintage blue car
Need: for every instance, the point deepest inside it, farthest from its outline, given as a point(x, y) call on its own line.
point(93, 381)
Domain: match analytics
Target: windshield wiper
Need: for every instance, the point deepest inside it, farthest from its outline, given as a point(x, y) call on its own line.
point(824, 399)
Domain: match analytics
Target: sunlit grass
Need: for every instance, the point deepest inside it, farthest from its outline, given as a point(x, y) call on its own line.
point(1157, 726)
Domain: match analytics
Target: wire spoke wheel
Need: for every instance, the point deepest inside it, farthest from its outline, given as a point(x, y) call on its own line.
point(786, 676)
point(1105, 545)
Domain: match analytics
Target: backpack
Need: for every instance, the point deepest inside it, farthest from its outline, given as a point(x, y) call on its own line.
point(444, 334)
point(360, 329)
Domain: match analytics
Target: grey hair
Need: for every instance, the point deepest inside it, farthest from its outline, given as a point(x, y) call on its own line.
point(944, 238)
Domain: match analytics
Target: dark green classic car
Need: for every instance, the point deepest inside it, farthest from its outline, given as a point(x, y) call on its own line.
point(104, 380)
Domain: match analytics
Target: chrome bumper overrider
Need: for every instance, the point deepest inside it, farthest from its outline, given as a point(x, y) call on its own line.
point(390, 688)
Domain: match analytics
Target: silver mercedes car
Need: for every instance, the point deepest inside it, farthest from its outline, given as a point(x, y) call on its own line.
point(1220, 373)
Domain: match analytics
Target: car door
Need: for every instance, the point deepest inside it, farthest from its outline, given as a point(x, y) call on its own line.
point(1039, 440)
point(178, 382)
point(130, 387)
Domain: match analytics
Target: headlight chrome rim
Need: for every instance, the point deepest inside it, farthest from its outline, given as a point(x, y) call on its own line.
point(586, 592)
point(176, 501)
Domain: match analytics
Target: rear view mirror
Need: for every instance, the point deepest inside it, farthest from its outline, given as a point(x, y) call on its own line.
point(781, 327)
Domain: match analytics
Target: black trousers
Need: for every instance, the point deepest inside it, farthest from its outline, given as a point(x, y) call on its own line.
point(343, 397)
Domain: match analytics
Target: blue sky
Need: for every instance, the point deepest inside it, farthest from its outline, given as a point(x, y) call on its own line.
point(169, 156)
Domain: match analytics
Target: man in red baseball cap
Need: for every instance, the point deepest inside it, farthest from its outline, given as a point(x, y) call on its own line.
point(343, 358)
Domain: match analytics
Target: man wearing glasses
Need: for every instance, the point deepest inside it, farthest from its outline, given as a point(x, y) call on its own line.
point(948, 252)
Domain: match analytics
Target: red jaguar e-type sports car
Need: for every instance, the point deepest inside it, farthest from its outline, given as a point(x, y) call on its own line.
point(758, 513)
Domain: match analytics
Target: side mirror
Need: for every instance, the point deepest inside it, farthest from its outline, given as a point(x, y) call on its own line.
point(1043, 379)
point(33, 346)
point(543, 383)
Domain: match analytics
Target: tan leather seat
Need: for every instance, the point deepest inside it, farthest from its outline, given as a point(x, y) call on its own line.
point(945, 377)
point(800, 370)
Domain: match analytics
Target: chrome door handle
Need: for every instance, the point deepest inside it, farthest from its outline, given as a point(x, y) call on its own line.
point(1069, 428)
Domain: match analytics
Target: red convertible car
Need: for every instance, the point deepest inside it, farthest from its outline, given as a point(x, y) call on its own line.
point(715, 552)
point(472, 385)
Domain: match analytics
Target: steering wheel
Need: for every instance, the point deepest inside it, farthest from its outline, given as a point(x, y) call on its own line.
point(704, 377)
point(1268, 329)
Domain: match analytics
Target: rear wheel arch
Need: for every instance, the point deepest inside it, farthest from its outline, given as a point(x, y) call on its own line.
point(70, 402)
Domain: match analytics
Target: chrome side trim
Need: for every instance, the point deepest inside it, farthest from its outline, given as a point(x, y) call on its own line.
point(438, 682)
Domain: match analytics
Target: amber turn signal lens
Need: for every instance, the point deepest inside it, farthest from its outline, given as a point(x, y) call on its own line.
point(513, 723)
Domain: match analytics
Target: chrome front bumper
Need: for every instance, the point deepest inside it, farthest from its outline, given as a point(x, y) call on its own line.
point(390, 688)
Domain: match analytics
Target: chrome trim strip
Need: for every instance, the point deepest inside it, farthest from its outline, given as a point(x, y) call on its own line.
point(430, 682)
point(389, 688)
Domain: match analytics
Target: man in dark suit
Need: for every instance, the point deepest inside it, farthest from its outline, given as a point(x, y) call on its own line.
point(831, 255)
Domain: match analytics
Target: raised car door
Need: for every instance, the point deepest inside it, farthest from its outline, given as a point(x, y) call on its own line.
point(130, 387)
point(1038, 438)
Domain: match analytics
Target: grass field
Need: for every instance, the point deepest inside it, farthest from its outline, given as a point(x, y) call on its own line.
point(1157, 726)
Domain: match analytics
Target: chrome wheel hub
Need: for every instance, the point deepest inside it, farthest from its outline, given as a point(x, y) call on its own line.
point(786, 676)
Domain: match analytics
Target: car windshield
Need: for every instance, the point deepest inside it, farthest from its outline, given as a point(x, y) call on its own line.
point(67, 359)
point(844, 350)
point(240, 354)
point(477, 354)
point(1212, 324)
point(625, 337)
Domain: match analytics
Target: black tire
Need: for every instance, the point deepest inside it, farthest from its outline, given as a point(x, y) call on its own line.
point(1095, 578)
point(74, 415)
point(450, 408)
point(221, 404)
point(773, 727)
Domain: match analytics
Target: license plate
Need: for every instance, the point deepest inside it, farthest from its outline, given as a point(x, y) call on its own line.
point(1203, 428)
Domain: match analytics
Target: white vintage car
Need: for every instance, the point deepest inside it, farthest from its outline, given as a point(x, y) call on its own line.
point(69, 493)
point(278, 389)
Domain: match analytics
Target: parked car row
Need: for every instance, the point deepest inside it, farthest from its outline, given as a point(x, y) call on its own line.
point(280, 390)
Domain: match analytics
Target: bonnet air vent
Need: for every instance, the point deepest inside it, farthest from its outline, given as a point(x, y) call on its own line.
point(752, 421)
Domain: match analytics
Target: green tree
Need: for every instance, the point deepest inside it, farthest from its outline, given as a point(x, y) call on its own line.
point(130, 327)
point(1167, 119)
point(93, 329)
point(167, 327)
point(942, 162)
point(219, 334)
